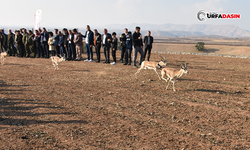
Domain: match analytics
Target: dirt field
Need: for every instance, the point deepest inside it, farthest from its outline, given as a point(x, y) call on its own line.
point(99, 106)
point(216, 49)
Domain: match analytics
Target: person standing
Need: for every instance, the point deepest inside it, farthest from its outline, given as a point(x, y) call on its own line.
point(44, 41)
point(138, 45)
point(19, 44)
point(89, 37)
point(128, 49)
point(106, 40)
point(11, 38)
point(51, 43)
point(1, 41)
point(25, 42)
point(61, 43)
point(66, 34)
point(97, 44)
point(123, 43)
point(71, 46)
point(56, 39)
point(114, 47)
point(4, 41)
point(148, 41)
point(31, 44)
point(79, 45)
point(37, 40)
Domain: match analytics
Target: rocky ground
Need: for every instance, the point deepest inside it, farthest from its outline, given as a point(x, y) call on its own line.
point(98, 106)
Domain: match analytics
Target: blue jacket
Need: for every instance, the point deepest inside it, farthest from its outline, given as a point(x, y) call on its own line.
point(56, 38)
point(128, 42)
point(90, 37)
point(61, 40)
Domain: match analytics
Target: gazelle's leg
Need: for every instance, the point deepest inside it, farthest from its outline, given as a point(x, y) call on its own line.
point(157, 73)
point(162, 76)
point(168, 83)
point(137, 72)
point(173, 85)
point(57, 66)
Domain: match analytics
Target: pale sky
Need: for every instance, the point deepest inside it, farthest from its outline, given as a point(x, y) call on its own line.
point(98, 13)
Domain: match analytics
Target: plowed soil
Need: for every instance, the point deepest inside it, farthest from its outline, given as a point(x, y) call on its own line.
point(87, 105)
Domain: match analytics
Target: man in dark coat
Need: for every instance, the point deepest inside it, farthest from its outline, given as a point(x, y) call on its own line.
point(66, 34)
point(89, 39)
point(4, 41)
point(31, 44)
point(123, 43)
point(97, 44)
point(11, 38)
point(138, 45)
point(106, 43)
point(148, 41)
point(19, 44)
point(71, 46)
point(44, 43)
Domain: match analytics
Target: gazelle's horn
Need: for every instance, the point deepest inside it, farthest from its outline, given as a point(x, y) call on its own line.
point(181, 64)
point(164, 57)
point(185, 64)
point(161, 57)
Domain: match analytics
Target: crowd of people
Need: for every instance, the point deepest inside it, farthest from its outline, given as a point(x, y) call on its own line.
point(69, 44)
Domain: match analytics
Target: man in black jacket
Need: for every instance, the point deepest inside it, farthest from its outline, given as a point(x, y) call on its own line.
point(19, 44)
point(148, 41)
point(4, 41)
point(11, 38)
point(71, 46)
point(138, 45)
point(66, 34)
point(123, 43)
point(44, 43)
point(97, 44)
point(106, 40)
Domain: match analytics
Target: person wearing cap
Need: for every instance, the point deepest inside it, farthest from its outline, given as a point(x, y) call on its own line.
point(138, 46)
point(11, 38)
point(114, 48)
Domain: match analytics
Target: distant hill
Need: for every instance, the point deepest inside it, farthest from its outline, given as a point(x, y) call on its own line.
point(186, 30)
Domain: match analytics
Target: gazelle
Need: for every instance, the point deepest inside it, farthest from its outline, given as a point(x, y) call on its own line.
point(56, 60)
point(172, 74)
point(3, 55)
point(152, 65)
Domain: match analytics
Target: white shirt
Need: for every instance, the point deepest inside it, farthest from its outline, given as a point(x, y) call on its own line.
point(44, 39)
point(104, 38)
point(148, 40)
point(87, 38)
point(69, 38)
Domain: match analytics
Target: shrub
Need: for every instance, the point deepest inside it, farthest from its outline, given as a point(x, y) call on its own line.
point(200, 46)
